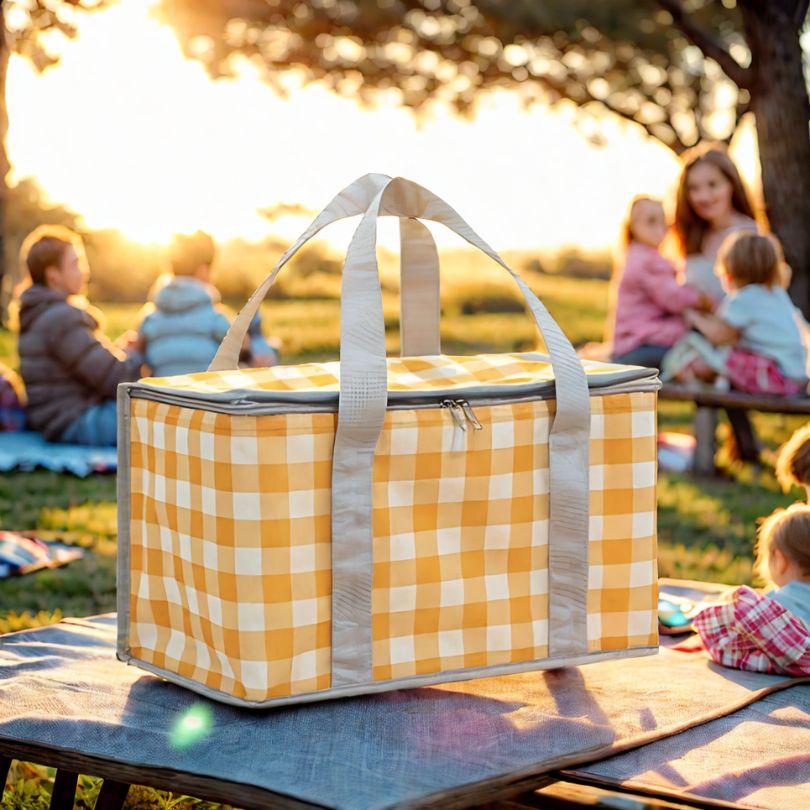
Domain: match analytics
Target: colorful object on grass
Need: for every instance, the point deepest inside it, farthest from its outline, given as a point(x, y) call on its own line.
point(672, 615)
point(675, 452)
point(23, 554)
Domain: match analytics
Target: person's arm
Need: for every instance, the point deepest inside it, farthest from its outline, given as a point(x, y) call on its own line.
point(130, 341)
point(261, 353)
point(661, 286)
point(713, 328)
point(220, 324)
point(93, 359)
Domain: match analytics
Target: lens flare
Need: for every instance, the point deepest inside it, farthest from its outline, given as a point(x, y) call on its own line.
point(193, 725)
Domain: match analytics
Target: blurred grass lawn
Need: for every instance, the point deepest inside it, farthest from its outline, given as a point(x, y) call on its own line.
point(706, 528)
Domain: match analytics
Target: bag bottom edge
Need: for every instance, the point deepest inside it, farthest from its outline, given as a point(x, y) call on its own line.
point(375, 687)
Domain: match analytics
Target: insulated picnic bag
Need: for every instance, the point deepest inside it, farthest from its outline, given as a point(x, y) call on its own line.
point(314, 531)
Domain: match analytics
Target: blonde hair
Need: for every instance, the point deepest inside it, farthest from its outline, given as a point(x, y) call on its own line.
point(787, 530)
point(793, 462)
point(750, 258)
point(44, 247)
point(627, 228)
point(689, 227)
point(188, 252)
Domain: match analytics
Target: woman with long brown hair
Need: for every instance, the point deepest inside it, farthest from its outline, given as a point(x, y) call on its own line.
point(712, 203)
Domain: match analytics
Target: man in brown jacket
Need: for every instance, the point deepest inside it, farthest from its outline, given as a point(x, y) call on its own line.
point(70, 369)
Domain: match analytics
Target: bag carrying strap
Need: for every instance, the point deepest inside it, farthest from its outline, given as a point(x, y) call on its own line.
point(362, 406)
point(419, 320)
point(419, 307)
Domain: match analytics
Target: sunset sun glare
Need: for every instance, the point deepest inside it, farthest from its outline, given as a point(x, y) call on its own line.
point(151, 145)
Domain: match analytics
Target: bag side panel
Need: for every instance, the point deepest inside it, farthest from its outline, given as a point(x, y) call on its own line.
point(230, 549)
point(623, 572)
point(231, 542)
point(460, 574)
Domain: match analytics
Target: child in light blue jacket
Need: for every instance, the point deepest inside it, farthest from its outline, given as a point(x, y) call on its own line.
point(186, 322)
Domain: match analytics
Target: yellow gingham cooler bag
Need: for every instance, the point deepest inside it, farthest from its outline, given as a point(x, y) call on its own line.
point(329, 529)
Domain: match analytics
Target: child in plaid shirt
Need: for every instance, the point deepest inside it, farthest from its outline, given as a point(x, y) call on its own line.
point(783, 558)
point(767, 632)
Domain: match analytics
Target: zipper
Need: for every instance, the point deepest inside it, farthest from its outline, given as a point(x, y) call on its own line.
point(460, 409)
point(456, 411)
point(469, 414)
point(263, 402)
point(328, 402)
point(457, 443)
point(462, 413)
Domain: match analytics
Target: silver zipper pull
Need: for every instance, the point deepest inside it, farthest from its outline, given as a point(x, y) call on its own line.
point(459, 425)
point(469, 413)
point(457, 413)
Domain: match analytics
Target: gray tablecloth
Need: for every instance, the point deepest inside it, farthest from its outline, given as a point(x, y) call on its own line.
point(62, 686)
point(758, 757)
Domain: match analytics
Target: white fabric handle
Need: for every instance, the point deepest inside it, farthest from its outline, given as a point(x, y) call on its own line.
point(419, 306)
point(362, 406)
point(419, 321)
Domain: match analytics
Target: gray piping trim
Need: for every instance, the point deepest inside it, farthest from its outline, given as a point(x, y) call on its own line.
point(374, 687)
point(271, 408)
point(249, 401)
point(123, 489)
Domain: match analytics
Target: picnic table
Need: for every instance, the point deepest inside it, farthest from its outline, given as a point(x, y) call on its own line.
point(737, 405)
point(67, 702)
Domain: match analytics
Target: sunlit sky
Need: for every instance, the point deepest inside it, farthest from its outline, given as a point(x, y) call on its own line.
point(132, 135)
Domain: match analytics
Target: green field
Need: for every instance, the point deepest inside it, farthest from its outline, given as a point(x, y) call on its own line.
point(706, 528)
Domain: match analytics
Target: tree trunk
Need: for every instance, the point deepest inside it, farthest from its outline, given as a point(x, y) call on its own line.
point(780, 103)
point(4, 166)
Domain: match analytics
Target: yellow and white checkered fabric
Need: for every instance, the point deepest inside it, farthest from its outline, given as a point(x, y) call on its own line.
point(404, 374)
point(230, 541)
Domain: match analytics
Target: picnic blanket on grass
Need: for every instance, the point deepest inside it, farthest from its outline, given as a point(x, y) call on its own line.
point(27, 451)
point(24, 553)
point(62, 686)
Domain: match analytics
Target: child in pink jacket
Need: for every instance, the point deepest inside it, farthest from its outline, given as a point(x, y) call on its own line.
point(650, 300)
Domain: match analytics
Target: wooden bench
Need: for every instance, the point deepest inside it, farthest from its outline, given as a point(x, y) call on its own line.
point(737, 404)
point(553, 792)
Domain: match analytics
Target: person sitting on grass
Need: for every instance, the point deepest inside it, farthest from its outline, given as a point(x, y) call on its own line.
point(793, 462)
point(753, 342)
point(69, 368)
point(185, 322)
point(767, 632)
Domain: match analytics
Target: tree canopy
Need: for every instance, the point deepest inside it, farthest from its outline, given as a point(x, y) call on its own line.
point(22, 26)
point(683, 70)
point(682, 77)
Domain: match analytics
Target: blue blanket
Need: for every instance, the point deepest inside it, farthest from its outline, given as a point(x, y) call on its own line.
point(27, 451)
